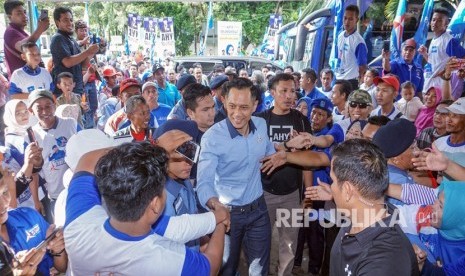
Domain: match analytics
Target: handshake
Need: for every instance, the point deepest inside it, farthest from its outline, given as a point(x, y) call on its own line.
point(221, 213)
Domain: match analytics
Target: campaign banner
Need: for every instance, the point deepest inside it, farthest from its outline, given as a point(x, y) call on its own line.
point(147, 30)
point(229, 38)
point(133, 30)
point(275, 23)
point(165, 42)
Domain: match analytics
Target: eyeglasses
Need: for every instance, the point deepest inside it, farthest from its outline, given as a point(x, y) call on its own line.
point(360, 105)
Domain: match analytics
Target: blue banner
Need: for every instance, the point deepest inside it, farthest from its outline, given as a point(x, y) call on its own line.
point(398, 29)
point(422, 31)
point(457, 23)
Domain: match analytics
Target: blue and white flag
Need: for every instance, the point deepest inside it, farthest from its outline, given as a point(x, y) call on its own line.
point(398, 29)
point(338, 10)
point(422, 31)
point(457, 23)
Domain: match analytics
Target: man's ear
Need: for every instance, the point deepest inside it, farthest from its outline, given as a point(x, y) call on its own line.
point(190, 113)
point(23, 56)
point(347, 190)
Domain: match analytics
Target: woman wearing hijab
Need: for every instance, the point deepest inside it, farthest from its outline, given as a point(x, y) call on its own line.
point(21, 157)
point(304, 105)
point(440, 229)
point(432, 98)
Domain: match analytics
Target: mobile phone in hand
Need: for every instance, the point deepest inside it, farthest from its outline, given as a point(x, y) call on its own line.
point(189, 150)
point(386, 45)
point(45, 242)
point(43, 14)
point(31, 135)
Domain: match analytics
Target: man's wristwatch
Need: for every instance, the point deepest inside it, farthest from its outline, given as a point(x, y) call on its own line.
point(286, 147)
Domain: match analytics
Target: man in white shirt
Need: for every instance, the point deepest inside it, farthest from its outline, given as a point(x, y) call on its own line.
point(352, 50)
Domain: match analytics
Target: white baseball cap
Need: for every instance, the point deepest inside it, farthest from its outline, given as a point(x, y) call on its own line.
point(86, 141)
point(458, 107)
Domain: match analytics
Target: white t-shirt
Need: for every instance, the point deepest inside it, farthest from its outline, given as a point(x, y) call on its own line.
point(455, 152)
point(394, 114)
point(23, 81)
point(94, 246)
point(352, 53)
point(53, 142)
point(409, 109)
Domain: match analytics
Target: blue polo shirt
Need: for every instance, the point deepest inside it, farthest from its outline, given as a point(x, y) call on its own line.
point(178, 111)
point(168, 95)
point(315, 93)
point(180, 200)
point(229, 163)
point(27, 229)
point(407, 72)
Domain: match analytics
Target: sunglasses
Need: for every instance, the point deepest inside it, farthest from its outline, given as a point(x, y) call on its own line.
point(360, 105)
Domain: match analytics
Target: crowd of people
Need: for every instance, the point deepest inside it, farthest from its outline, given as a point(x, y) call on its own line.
point(128, 168)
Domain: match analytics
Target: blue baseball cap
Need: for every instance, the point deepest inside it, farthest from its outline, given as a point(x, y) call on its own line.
point(323, 103)
point(218, 81)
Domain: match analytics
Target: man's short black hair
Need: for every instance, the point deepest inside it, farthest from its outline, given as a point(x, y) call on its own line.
point(378, 120)
point(273, 82)
point(358, 155)
point(9, 6)
point(197, 65)
point(327, 71)
point(195, 91)
point(310, 73)
point(28, 45)
point(115, 91)
point(129, 177)
point(442, 11)
point(353, 8)
point(132, 104)
point(140, 63)
point(346, 87)
point(297, 75)
point(59, 11)
point(242, 83)
point(63, 75)
point(289, 67)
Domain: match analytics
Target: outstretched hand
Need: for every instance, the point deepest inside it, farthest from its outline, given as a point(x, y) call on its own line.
point(320, 192)
point(433, 160)
point(272, 162)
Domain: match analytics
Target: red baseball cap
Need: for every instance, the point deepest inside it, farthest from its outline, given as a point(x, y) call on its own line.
point(128, 83)
point(389, 79)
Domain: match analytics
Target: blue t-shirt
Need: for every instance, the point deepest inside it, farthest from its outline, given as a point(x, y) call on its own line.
point(161, 113)
point(27, 229)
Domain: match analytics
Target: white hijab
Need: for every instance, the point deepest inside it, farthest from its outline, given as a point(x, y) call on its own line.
point(9, 118)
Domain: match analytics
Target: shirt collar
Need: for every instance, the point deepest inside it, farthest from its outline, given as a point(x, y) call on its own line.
point(17, 27)
point(64, 33)
point(30, 71)
point(233, 131)
point(370, 233)
point(54, 126)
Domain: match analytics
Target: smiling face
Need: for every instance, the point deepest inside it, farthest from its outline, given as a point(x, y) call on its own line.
point(240, 106)
point(44, 110)
point(21, 114)
point(430, 98)
point(140, 117)
point(65, 23)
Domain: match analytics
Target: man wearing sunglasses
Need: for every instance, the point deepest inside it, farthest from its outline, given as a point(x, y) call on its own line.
point(387, 89)
point(359, 109)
